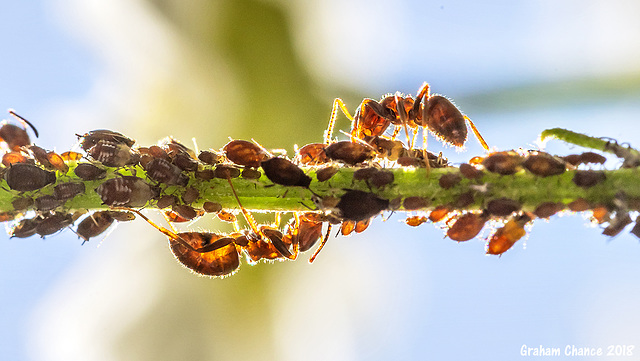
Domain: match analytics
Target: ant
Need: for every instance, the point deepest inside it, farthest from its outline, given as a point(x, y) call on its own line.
point(14, 136)
point(433, 112)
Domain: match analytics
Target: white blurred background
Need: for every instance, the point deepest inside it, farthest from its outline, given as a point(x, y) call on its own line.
point(269, 70)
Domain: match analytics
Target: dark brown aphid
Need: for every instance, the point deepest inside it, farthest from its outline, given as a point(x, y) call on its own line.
point(326, 173)
point(212, 207)
point(245, 153)
point(190, 195)
point(226, 172)
point(504, 163)
point(68, 190)
point(27, 177)
point(506, 236)
point(185, 162)
point(467, 226)
point(448, 180)
point(113, 154)
point(588, 178)
point(164, 172)
point(592, 157)
point(47, 203)
point(88, 172)
point(187, 212)
point(381, 178)
point(350, 152)
point(25, 228)
point(465, 199)
point(52, 223)
point(364, 173)
point(205, 174)
point(415, 221)
point(250, 173)
point(358, 205)
point(636, 228)
point(413, 203)
point(579, 205)
point(94, 224)
point(210, 157)
point(548, 209)
point(312, 154)
point(89, 140)
point(166, 200)
point(22, 203)
point(573, 159)
point(617, 224)
point(470, 172)
point(503, 207)
point(438, 213)
point(126, 191)
point(14, 136)
point(282, 171)
point(544, 165)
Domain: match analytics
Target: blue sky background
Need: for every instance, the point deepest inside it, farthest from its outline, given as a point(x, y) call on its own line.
point(393, 292)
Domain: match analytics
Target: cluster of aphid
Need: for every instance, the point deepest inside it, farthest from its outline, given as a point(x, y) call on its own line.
point(174, 178)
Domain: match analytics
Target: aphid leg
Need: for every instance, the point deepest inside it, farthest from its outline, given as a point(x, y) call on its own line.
point(321, 246)
point(477, 133)
point(24, 121)
point(337, 103)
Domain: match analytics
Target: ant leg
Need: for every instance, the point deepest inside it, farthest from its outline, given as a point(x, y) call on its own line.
point(321, 246)
point(24, 121)
point(337, 103)
point(172, 235)
point(477, 133)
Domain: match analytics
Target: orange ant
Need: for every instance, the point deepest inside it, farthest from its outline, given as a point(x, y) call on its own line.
point(436, 113)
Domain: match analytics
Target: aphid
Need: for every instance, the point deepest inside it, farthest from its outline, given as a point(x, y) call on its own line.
point(503, 207)
point(544, 165)
point(347, 227)
point(312, 154)
point(25, 228)
point(186, 212)
point(350, 152)
point(415, 221)
point(324, 174)
point(548, 209)
point(52, 223)
point(592, 157)
point(68, 190)
point(470, 172)
point(164, 172)
point(438, 213)
point(98, 222)
point(190, 195)
point(630, 156)
point(113, 154)
point(506, 236)
point(362, 225)
point(467, 226)
point(226, 172)
point(250, 173)
point(185, 162)
point(71, 156)
point(282, 171)
point(89, 140)
point(22, 203)
point(245, 153)
point(364, 173)
point(465, 199)
point(226, 216)
point(579, 205)
point(57, 162)
point(166, 200)
point(504, 163)
point(47, 203)
point(357, 205)
point(205, 174)
point(636, 228)
point(600, 214)
point(14, 136)
point(212, 207)
point(8, 216)
point(381, 178)
point(126, 191)
point(413, 203)
point(210, 157)
point(15, 157)
point(27, 177)
point(448, 180)
point(89, 172)
point(588, 178)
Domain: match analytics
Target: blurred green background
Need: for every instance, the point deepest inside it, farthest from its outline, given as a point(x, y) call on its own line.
point(269, 70)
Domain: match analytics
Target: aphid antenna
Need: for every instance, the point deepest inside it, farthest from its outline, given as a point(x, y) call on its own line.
point(195, 146)
point(24, 121)
point(263, 148)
